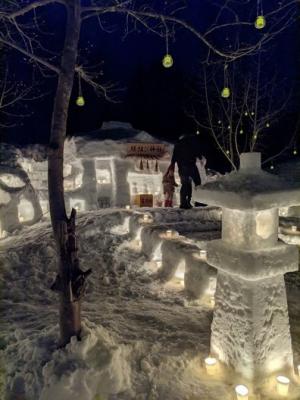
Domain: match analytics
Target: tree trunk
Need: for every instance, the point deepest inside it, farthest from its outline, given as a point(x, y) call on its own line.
point(70, 279)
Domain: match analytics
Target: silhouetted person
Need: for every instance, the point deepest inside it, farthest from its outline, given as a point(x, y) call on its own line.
point(185, 154)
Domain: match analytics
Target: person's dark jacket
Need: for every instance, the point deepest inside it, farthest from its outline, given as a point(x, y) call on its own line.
point(186, 151)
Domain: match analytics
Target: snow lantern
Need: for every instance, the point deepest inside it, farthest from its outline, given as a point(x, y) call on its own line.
point(80, 101)
point(282, 386)
point(167, 61)
point(250, 328)
point(260, 22)
point(225, 93)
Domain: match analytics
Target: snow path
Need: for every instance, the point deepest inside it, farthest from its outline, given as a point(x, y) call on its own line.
point(141, 340)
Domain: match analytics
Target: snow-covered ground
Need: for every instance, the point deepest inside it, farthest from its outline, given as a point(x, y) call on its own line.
point(142, 339)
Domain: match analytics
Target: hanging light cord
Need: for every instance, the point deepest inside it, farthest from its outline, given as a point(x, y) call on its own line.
point(259, 10)
point(167, 35)
point(79, 86)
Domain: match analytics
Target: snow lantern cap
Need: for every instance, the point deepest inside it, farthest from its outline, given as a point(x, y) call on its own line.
point(250, 188)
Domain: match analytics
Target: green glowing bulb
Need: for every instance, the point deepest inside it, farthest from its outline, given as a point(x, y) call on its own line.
point(260, 22)
point(80, 101)
point(225, 92)
point(167, 61)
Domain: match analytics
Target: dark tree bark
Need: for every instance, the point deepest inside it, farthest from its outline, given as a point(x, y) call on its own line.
point(70, 279)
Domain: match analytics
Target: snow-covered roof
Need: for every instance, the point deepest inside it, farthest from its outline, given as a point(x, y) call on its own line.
point(111, 140)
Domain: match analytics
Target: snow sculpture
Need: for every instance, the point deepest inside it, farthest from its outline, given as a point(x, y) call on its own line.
point(250, 329)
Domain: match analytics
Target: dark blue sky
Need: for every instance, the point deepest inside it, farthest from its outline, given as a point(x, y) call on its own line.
point(147, 95)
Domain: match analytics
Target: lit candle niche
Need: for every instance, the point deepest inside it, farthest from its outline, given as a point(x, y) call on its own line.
point(179, 273)
point(78, 204)
point(103, 176)
point(203, 254)
point(25, 211)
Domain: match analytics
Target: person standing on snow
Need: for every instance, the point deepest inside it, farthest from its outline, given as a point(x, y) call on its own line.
point(185, 154)
point(169, 185)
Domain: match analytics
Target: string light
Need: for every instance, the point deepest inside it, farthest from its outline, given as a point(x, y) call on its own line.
point(295, 152)
point(225, 91)
point(268, 125)
point(80, 99)
point(241, 131)
point(246, 113)
point(167, 61)
point(260, 21)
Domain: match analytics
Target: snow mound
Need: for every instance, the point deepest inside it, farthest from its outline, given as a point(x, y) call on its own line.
point(95, 366)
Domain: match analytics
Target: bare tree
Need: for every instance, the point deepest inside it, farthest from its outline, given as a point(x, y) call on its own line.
point(23, 38)
point(241, 108)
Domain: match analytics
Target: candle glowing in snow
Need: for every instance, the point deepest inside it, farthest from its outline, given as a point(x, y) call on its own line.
point(294, 228)
point(282, 385)
point(146, 218)
point(241, 392)
point(169, 233)
point(210, 365)
point(203, 254)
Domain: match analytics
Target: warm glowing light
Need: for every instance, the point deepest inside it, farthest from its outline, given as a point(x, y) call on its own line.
point(254, 137)
point(167, 61)
point(267, 125)
point(158, 264)
point(203, 254)
point(210, 365)
point(295, 152)
point(197, 132)
point(282, 386)
point(225, 92)
point(294, 228)
point(146, 218)
point(169, 233)
point(246, 113)
point(260, 22)
point(127, 207)
point(80, 101)
point(241, 131)
point(252, 113)
point(241, 392)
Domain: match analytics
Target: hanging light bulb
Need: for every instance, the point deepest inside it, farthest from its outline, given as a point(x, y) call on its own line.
point(80, 101)
point(246, 113)
point(252, 113)
point(267, 125)
point(260, 22)
point(167, 61)
point(271, 166)
point(219, 122)
point(241, 131)
point(225, 92)
point(295, 152)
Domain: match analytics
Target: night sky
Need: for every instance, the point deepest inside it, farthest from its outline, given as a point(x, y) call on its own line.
point(145, 94)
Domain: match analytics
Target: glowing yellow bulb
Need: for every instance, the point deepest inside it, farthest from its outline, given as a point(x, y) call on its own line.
point(80, 101)
point(225, 92)
point(167, 61)
point(295, 152)
point(260, 22)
